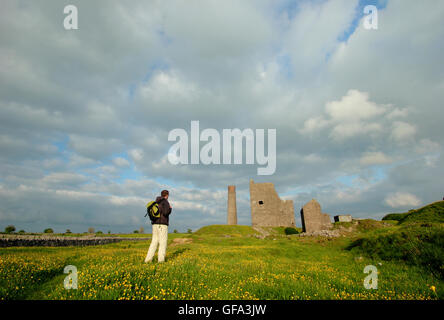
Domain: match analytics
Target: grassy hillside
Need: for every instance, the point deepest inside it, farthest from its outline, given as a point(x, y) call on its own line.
point(226, 230)
point(416, 239)
point(214, 266)
point(415, 244)
point(430, 213)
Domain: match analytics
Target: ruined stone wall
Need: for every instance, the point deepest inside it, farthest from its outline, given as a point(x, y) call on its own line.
point(267, 209)
point(313, 219)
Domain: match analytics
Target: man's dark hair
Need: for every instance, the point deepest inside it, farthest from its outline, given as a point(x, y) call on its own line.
point(164, 193)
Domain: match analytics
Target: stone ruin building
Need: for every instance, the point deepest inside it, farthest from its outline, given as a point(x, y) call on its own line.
point(313, 219)
point(343, 218)
point(269, 210)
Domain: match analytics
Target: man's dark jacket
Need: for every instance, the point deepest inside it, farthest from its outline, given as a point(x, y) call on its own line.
point(165, 211)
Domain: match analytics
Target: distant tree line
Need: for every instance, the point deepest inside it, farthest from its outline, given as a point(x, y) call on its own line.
point(11, 229)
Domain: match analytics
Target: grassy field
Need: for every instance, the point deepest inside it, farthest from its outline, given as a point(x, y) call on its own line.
point(221, 262)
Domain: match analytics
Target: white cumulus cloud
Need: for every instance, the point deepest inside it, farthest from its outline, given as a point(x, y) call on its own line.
point(402, 199)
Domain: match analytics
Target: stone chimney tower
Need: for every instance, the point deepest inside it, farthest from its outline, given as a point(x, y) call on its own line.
point(232, 209)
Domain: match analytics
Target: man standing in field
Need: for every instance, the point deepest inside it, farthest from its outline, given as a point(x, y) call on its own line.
point(160, 228)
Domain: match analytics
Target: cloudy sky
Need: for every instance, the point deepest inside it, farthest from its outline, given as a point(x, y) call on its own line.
point(85, 114)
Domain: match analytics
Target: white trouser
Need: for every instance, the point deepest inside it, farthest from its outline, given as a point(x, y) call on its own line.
point(160, 237)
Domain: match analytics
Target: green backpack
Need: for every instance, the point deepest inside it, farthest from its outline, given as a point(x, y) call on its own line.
point(152, 210)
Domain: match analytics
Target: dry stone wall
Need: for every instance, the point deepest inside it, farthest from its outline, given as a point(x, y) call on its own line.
point(44, 241)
